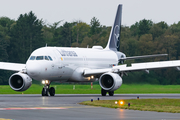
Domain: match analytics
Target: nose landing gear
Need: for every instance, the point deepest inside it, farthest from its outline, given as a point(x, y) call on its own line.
point(46, 90)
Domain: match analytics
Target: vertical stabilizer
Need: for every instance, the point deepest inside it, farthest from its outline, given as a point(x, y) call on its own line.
point(114, 38)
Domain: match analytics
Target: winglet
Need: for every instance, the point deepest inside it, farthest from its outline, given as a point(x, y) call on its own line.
point(114, 38)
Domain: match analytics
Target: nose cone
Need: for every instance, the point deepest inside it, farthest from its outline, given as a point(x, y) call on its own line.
point(33, 68)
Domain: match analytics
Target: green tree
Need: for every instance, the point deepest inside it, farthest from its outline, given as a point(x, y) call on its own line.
point(66, 34)
point(26, 36)
point(51, 34)
point(144, 26)
point(166, 44)
point(158, 29)
point(103, 36)
point(47, 35)
point(95, 26)
point(134, 29)
point(80, 30)
point(141, 27)
point(5, 26)
point(87, 41)
point(175, 30)
point(146, 45)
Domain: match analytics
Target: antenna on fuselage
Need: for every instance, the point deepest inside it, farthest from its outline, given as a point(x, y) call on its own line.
point(46, 45)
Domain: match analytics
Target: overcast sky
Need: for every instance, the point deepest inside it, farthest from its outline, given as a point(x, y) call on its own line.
point(71, 10)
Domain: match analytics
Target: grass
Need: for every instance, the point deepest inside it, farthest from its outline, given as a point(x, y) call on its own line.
point(86, 89)
point(146, 88)
point(158, 105)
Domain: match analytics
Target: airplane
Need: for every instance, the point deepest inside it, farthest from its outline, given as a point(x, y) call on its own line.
point(66, 64)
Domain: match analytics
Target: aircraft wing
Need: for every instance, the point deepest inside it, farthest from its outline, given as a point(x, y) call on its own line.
point(12, 66)
point(134, 67)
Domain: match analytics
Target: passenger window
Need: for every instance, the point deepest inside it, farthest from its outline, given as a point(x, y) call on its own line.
point(32, 58)
point(39, 58)
point(46, 58)
point(50, 58)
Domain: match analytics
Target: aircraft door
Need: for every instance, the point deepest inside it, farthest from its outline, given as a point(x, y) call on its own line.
point(56, 64)
point(85, 61)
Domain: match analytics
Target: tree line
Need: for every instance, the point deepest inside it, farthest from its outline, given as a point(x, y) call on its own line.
point(18, 38)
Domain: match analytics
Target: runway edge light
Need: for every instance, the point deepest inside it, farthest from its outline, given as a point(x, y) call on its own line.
point(121, 102)
point(129, 104)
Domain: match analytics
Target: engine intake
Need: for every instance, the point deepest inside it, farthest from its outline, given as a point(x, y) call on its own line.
point(20, 81)
point(110, 81)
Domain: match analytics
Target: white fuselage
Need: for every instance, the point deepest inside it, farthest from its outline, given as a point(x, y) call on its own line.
point(67, 64)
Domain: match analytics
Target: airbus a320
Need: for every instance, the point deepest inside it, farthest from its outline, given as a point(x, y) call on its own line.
point(65, 64)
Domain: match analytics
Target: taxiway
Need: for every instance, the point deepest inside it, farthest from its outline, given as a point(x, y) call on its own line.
point(66, 107)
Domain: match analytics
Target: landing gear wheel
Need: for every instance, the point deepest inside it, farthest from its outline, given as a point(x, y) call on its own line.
point(111, 93)
point(52, 91)
point(103, 92)
point(44, 92)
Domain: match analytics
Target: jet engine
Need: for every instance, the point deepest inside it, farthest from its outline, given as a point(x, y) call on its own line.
point(110, 81)
point(20, 81)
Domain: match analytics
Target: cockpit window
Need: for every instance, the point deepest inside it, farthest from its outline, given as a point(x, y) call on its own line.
point(39, 58)
point(46, 58)
point(50, 58)
point(32, 58)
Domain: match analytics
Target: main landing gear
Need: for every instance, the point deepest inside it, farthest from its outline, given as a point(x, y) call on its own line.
point(46, 90)
point(104, 92)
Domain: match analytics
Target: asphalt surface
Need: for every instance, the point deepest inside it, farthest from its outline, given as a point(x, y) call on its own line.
point(66, 107)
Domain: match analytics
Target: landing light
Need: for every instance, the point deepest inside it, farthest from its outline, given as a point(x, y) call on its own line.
point(47, 81)
point(92, 77)
point(43, 81)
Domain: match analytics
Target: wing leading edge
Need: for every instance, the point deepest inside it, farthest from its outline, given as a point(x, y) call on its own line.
point(134, 67)
point(12, 66)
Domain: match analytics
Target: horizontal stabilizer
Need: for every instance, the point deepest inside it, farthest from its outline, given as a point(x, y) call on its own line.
point(144, 56)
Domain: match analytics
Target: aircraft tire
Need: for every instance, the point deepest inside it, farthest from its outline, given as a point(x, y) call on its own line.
point(111, 93)
point(103, 92)
point(44, 92)
point(52, 91)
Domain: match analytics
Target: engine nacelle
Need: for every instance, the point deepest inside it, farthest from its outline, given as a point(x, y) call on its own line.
point(20, 81)
point(110, 81)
